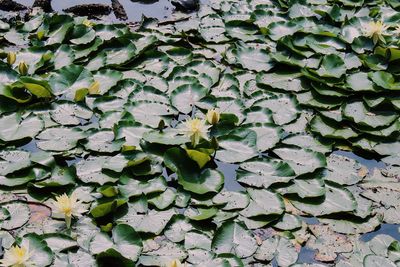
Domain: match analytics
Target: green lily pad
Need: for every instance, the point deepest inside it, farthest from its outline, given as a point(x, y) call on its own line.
point(16, 126)
point(234, 238)
point(189, 174)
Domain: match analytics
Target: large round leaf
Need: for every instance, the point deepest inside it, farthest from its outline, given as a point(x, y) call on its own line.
point(239, 145)
point(301, 160)
point(185, 97)
point(235, 238)
point(336, 200)
point(69, 79)
point(16, 126)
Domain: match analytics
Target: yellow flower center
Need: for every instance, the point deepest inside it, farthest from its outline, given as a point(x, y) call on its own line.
point(16, 256)
point(88, 23)
point(375, 30)
point(175, 263)
point(65, 204)
point(195, 126)
point(377, 27)
point(195, 129)
point(19, 254)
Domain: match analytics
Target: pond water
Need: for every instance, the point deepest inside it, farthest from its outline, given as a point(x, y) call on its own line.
point(160, 9)
point(229, 171)
point(306, 255)
point(387, 229)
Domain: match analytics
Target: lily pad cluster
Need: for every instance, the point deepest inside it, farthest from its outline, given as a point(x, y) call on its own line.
point(211, 141)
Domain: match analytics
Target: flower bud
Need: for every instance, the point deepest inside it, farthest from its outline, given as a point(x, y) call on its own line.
point(213, 116)
point(11, 57)
point(22, 68)
point(47, 56)
point(40, 35)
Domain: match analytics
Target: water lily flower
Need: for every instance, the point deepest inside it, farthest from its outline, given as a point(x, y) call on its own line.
point(213, 116)
point(175, 263)
point(16, 256)
point(195, 129)
point(88, 23)
point(68, 206)
point(375, 30)
point(11, 58)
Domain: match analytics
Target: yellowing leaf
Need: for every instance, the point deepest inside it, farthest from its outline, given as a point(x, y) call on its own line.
point(37, 90)
point(200, 157)
point(94, 88)
point(80, 94)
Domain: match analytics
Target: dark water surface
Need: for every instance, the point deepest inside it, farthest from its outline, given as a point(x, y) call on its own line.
point(387, 229)
point(161, 9)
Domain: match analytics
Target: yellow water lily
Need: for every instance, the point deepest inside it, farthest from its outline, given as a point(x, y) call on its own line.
point(68, 206)
point(175, 263)
point(16, 256)
point(195, 129)
point(375, 30)
point(213, 116)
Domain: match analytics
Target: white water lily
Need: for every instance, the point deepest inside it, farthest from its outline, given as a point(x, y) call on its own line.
point(175, 263)
point(88, 23)
point(16, 256)
point(68, 206)
point(195, 129)
point(213, 116)
point(375, 30)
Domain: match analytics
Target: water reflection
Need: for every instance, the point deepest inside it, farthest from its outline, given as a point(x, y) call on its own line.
point(309, 220)
point(387, 229)
point(134, 9)
point(73, 161)
point(31, 146)
point(229, 171)
point(306, 255)
point(369, 163)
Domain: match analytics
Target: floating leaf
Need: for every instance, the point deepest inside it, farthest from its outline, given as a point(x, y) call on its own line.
point(234, 238)
point(16, 126)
